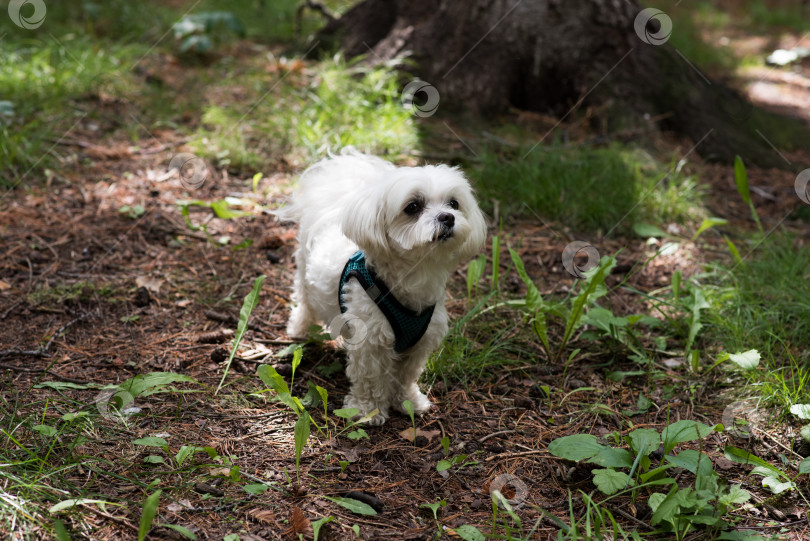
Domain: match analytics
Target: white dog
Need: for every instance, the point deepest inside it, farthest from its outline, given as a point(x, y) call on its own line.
point(377, 244)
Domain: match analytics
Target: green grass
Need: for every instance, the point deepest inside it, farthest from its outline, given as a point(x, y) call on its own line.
point(303, 114)
point(763, 304)
point(587, 189)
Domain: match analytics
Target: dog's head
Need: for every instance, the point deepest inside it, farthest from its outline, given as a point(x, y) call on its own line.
point(417, 213)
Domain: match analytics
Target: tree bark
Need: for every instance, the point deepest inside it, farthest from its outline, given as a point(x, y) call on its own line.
point(552, 56)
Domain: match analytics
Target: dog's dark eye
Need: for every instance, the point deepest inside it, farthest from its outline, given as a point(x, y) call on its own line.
point(413, 208)
point(453, 204)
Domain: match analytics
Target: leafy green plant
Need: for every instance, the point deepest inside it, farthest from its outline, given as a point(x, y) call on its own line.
point(571, 311)
point(741, 180)
point(681, 509)
point(457, 460)
point(250, 302)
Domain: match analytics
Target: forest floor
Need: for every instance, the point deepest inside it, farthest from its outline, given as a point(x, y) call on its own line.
point(113, 267)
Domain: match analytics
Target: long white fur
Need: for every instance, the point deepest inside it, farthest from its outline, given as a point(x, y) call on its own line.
point(350, 201)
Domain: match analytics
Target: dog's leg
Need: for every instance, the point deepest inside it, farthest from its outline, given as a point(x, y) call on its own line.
point(370, 370)
point(302, 316)
point(407, 375)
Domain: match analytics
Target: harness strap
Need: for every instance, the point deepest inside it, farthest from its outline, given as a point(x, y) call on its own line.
point(409, 326)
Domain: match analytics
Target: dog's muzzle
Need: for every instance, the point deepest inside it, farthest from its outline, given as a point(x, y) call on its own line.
point(446, 223)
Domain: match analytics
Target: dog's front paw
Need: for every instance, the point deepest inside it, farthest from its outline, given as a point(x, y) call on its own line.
point(421, 403)
point(366, 408)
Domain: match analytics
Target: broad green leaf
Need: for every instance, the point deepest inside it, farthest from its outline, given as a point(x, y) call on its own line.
point(735, 495)
point(805, 433)
point(151, 441)
point(250, 302)
point(407, 405)
point(150, 506)
point(67, 504)
point(443, 465)
point(142, 382)
point(693, 461)
point(747, 360)
point(804, 466)
point(776, 486)
point(735, 253)
point(671, 505)
point(802, 411)
point(346, 413)
point(75, 415)
point(256, 488)
point(708, 223)
point(298, 354)
point(610, 481)
point(475, 271)
point(469, 533)
point(534, 299)
point(223, 210)
point(643, 440)
point(576, 447)
point(60, 530)
point(503, 502)
point(182, 530)
point(675, 283)
point(154, 459)
point(610, 457)
point(317, 524)
point(46, 430)
point(740, 456)
point(741, 179)
point(272, 379)
point(185, 452)
point(301, 433)
point(682, 431)
point(353, 505)
point(57, 385)
point(645, 230)
point(357, 434)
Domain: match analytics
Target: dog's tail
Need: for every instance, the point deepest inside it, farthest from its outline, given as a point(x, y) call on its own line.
point(327, 185)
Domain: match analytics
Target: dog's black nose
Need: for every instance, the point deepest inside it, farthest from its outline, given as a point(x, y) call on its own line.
point(446, 219)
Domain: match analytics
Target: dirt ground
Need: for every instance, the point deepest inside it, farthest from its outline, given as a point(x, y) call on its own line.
point(90, 294)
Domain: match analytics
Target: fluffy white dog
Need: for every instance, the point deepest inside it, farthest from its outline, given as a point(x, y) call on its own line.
point(377, 244)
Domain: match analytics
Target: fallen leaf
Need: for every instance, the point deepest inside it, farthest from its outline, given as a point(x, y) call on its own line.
point(409, 435)
point(263, 515)
point(4, 285)
point(152, 284)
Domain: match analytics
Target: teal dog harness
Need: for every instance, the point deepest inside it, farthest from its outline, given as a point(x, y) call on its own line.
point(409, 326)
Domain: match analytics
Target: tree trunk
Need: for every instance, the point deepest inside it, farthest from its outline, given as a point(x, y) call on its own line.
point(551, 56)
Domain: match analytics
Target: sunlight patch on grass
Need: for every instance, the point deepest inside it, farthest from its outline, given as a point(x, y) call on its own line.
point(305, 113)
point(588, 189)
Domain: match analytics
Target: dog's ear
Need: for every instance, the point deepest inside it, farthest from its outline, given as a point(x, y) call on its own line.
point(363, 222)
